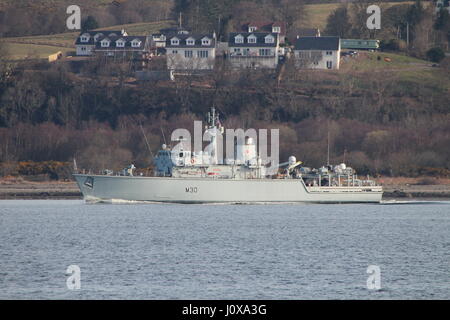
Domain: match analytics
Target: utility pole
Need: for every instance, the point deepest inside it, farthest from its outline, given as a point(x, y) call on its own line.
point(407, 34)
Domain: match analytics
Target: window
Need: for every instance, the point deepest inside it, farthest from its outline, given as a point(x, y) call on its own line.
point(83, 48)
point(265, 52)
point(269, 39)
point(188, 54)
point(175, 41)
point(84, 39)
point(135, 43)
point(276, 29)
point(190, 42)
point(105, 43)
point(252, 39)
point(98, 35)
point(329, 53)
point(120, 44)
point(174, 51)
point(329, 64)
point(239, 39)
point(202, 54)
point(252, 29)
point(206, 42)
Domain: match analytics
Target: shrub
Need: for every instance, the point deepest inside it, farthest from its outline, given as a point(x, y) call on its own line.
point(436, 54)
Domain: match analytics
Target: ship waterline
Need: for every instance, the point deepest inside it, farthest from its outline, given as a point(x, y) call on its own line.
point(210, 190)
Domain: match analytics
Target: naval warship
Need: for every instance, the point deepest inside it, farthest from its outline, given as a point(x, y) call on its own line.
point(182, 176)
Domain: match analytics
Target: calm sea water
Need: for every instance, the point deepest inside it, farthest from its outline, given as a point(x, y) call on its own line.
point(155, 251)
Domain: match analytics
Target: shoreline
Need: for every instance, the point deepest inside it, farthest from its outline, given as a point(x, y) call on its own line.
point(27, 190)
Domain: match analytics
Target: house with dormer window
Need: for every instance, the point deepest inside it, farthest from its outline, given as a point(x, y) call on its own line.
point(159, 39)
point(124, 47)
point(268, 27)
point(191, 52)
point(253, 49)
point(87, 40)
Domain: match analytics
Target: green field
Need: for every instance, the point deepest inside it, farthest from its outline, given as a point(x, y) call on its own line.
point(369, 61)
point(18, 51)
point(400, 67)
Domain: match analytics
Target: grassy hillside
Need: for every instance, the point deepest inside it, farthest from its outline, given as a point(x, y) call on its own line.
point(400, 67)
point(18, 51)
point(318, 13)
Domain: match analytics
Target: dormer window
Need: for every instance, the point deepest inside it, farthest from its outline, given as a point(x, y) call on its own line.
point(190, 41)
point(112, 35)
point(269, 39)
point(135, 43)
point(105, 43)
point(120, 43)
point(206, 41)
point(251, 29)
point(174, 41)
point(251, 39)
point(98, 35)
point(85, 37)
point(276, 29)
point(239, 39)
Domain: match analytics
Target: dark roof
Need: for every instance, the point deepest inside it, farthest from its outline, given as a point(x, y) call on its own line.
point(263, 26)
point(260, 39)
point(317, 43)
point(92, 33)
point(127, 39)
point(197, 37)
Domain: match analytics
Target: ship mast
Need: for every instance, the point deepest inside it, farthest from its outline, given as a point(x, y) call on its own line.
point(214, 130)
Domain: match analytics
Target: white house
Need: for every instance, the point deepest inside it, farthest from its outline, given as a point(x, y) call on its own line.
point(159, 39)
point(87, 40)
point(278, 27)
point(191, 51)
point(253, 49)
point(317, 52)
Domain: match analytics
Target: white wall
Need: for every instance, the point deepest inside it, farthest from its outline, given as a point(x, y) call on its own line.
point(334, 58)
point(178, 61)
point(88, 51)
point(252, 59)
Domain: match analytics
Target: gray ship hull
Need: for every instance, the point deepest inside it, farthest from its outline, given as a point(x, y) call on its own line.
point(207, 190)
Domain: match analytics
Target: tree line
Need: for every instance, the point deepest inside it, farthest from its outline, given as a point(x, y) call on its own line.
point(379, 123)
point(413, 28)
